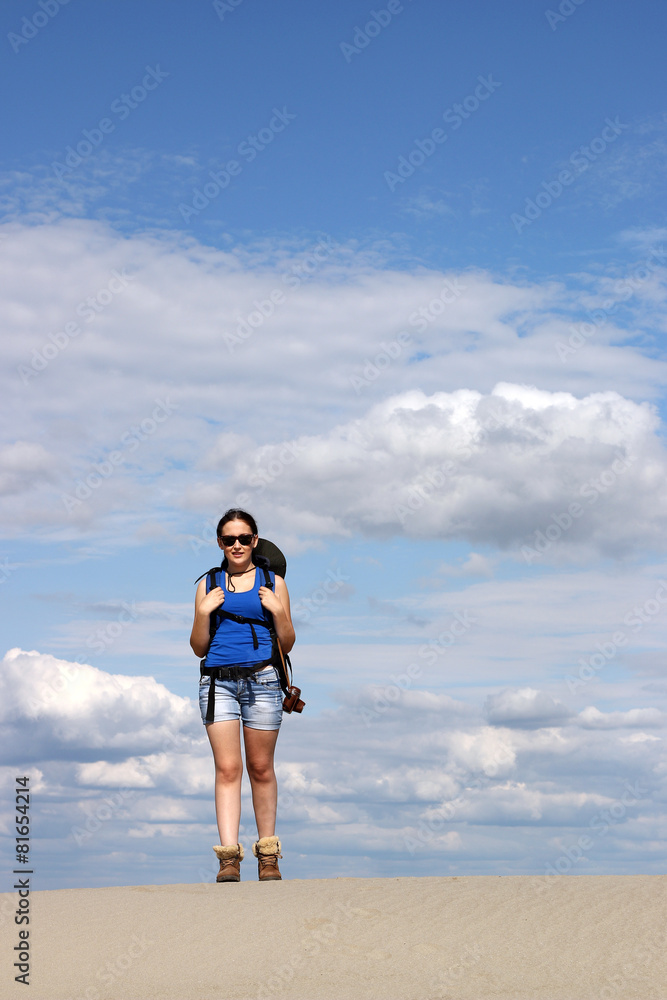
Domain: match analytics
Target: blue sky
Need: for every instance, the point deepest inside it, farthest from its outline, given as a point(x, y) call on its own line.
point(395, 281)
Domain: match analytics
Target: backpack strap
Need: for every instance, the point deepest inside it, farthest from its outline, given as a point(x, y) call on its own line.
point(280, 660)
point(211, 582)
point(214, 621)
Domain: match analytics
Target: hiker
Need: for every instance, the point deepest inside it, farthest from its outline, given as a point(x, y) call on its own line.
point(239, 681)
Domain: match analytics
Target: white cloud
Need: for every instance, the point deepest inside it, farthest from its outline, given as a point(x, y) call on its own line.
point(336, 459)
point(159, 334)
point(496, 469)
point(641, 718)
point(24, 465)
point(425, 205)
point(515, 803)
point(174, 772)
point(639, 738)
point(477, 565)
point(48, 706)
point(482, 751)
point(450, 784)
point(526, 708)
point(131, 773)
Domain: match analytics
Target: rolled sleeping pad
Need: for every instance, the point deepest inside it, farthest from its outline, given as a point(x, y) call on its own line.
point(267, 550)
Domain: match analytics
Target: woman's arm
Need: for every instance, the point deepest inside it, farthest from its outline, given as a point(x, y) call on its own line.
point(204, 605)
point(278, 604)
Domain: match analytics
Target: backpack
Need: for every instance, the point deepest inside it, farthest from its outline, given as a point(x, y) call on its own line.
point(268, 558)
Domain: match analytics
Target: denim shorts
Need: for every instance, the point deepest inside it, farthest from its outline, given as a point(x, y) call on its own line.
point(257, 702)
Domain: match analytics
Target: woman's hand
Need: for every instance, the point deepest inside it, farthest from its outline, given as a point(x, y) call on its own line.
point(278, 604)
point(212, 601)
point(205, 605)
point(270, 601)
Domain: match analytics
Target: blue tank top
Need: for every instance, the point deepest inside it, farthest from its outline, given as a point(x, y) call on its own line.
point(232, 642)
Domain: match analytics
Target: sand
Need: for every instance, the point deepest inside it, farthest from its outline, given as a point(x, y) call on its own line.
point(558, 938)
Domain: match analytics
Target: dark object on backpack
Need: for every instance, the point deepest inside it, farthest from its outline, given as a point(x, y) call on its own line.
point(275, 560)
point(267, 557)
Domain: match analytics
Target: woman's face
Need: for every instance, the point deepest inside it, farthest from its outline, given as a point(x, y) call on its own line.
point(237, 553)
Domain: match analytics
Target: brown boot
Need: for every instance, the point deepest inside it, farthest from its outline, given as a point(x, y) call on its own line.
point(267, 852)
point(230, 857)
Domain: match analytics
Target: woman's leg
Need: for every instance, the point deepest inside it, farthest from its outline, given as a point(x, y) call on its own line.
point(259, 748)
point(226, 746)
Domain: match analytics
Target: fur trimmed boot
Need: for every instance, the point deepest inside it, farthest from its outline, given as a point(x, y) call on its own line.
point(267, 852)
point(230, 857)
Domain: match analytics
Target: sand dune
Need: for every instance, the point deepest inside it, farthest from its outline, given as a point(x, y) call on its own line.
point(560, 938)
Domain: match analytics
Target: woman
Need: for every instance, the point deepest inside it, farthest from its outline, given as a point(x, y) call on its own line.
point(247, 688)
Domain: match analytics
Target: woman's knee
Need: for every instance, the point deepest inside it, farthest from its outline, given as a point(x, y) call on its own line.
point(228, 772)
point(261, 770)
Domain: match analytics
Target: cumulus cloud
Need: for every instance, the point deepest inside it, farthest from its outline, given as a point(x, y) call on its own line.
point(482, 750)
point(23, 465)
point(368, 435)
point(525, 708)
point(158, 334)
point(50, 707)
point(517, 804)
point(639, 718)
point(350, 792)
point(173, 772)
point(516, 467)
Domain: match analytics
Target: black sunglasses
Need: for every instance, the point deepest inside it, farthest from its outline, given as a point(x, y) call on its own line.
point(228, 540)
